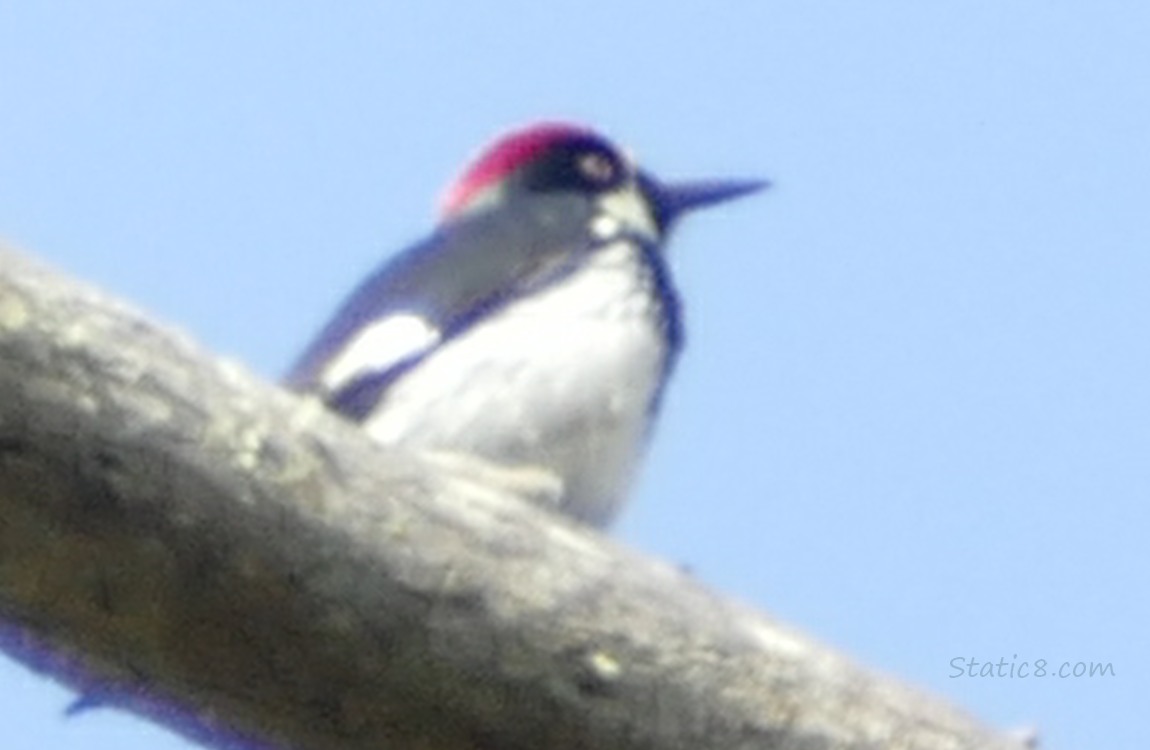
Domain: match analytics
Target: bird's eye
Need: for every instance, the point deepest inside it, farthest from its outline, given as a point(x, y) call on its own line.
point(596, 167)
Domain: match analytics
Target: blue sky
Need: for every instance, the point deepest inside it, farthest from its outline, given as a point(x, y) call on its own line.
point(913, 418)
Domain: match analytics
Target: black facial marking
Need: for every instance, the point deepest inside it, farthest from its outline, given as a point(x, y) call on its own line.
point(585, 164)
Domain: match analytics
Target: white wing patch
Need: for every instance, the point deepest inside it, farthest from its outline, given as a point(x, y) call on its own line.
point(380, 346)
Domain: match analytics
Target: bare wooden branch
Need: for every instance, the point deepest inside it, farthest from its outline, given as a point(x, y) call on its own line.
point(183, 540)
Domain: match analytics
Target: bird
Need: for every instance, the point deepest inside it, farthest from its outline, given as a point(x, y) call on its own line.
point(535, 328)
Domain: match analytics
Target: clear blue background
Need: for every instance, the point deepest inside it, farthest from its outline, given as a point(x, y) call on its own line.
point(914, 414)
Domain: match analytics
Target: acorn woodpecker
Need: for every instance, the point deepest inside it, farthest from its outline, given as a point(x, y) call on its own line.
point(535, 328)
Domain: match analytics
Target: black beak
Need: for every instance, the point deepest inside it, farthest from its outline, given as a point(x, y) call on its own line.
point(672, 201)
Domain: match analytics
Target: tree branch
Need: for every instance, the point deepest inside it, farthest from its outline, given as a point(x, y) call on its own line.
point(185, 541)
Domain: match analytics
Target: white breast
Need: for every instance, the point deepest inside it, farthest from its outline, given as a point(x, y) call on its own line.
point(563, 380)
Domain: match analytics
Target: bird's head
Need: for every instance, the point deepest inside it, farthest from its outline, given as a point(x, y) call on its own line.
point(563, 160)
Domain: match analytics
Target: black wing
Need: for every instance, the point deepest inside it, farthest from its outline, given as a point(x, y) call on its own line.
point(450, 280)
